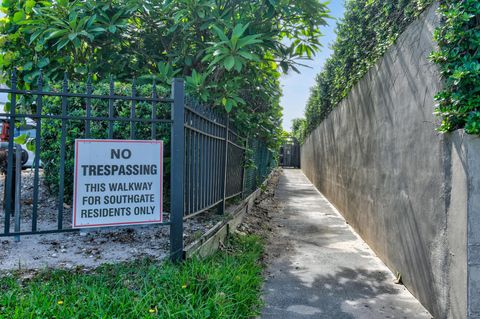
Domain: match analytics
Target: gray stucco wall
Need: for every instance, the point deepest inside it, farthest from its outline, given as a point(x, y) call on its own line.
point(466, 186)
point(402, 185)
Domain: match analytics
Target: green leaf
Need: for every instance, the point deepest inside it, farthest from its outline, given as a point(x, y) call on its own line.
point(229, 62)
point(76, 43)
point(31, 145)
point(18, 16)
point(239, 30)
point(228, 106)
point(35, 35)
point(21, 139)
point(249, 40)
point(56, 34)
point(97, 29)
point(61, 44)
point(28, 66)
point(220, 33)
point(29, 5)
point(238, 65)
point(249, 56)
point(43, 62)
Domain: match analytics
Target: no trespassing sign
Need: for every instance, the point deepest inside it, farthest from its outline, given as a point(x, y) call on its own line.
point(117, 182)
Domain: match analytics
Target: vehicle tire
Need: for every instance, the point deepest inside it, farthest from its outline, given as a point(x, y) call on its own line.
point(24, 157)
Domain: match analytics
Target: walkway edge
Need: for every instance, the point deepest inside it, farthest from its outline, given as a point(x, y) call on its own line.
point(209, 243)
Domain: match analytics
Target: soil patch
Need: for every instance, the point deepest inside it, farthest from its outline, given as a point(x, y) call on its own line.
point(91, 248)
point(259, 219)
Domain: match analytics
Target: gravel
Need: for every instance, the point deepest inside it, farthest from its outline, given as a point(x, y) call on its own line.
point(88, 249)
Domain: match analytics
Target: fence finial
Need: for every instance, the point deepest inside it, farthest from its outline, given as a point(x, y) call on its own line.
point(65, 82)
point(134, 87)
point(112, 87)
point(89, 82)
point(40, 80)
point(154, 89)
point(14, 77)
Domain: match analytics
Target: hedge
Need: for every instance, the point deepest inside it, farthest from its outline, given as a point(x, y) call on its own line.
point(370, 27)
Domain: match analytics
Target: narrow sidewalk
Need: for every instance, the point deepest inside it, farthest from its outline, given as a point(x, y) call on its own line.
point(319, 268)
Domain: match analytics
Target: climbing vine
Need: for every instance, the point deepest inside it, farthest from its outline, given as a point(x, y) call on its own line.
point(458, 57)
point(366, 31)
point(369, 28)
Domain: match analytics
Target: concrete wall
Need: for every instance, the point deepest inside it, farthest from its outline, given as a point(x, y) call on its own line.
point(466, 188)
point(401, 185)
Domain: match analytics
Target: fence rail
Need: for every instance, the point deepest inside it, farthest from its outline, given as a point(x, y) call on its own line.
point(210, 162)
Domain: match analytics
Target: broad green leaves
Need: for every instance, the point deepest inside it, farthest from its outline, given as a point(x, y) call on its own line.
point(58, 36)
point(230, 53)
point(458, 58)
point(233, 52)
point(21, 139)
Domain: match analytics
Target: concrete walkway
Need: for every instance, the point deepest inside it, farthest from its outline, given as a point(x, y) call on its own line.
point(319, 268)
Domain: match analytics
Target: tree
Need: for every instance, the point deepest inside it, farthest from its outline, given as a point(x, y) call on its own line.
point(299, 129)
point(229, 51)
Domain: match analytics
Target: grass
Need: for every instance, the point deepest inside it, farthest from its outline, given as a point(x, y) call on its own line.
point(226, 285)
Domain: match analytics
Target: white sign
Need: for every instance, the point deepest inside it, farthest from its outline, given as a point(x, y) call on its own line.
point(117, 182)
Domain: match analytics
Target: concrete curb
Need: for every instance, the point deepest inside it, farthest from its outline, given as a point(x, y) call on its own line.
point(209, 243)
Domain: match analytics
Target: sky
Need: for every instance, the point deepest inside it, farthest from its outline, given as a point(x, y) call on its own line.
point(296, 87)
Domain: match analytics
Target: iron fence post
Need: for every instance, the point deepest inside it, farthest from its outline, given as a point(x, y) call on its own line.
point(18, 188)
point(177, 170)
point(110, 107)
point(9, 182)
point(36, 162)
point(63, 141)
point(223, 189)
point(244, 171)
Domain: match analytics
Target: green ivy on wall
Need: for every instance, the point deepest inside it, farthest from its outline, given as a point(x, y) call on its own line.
point(458, 57)
point(370, 27)
point(364, 34)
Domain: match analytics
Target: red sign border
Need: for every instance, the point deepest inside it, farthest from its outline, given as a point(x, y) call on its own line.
point(74, 211)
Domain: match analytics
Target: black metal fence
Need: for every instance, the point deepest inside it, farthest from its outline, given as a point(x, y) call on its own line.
point(209, 161)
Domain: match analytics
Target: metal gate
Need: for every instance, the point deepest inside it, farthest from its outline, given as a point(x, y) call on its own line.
point(290, 154)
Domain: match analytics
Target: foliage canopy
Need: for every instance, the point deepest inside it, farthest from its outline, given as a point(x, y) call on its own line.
point(230, 52)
